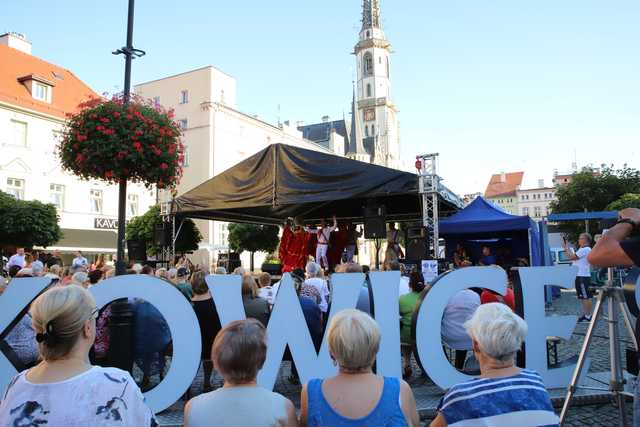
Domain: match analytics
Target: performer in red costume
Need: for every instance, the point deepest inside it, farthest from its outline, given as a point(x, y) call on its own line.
point(294, 247)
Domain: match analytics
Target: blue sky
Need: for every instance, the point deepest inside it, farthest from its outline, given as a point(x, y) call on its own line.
point(491, 85)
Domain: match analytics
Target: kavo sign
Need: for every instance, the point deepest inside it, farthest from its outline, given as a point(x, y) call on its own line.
point(287, 324)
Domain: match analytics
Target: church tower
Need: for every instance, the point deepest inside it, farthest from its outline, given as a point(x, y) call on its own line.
point(375, 116)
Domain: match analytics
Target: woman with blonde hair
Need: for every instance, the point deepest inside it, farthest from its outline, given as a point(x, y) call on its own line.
point(65, 389)
point(356, 396)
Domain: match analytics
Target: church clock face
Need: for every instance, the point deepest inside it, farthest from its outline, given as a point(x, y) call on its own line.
point(369, 114)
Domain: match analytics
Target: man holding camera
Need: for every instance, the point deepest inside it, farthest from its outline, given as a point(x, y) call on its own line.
point(615, 248)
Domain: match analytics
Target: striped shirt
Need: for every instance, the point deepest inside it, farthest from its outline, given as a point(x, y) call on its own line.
point(519, 400)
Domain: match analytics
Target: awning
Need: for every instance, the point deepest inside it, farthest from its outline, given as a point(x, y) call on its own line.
point(87, 241)
point(283, 181)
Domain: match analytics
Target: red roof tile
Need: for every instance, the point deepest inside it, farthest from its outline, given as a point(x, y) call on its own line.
point(68, 92)
point(498, 187)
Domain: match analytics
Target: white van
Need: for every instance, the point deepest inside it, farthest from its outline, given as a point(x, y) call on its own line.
point(560, 257)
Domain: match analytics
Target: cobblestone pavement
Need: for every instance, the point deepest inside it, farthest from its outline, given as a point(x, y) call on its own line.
point(427, 394)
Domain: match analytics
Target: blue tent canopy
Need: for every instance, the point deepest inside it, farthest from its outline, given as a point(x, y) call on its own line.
point(482, 220)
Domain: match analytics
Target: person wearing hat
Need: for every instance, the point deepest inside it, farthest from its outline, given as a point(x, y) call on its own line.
point(182, 283)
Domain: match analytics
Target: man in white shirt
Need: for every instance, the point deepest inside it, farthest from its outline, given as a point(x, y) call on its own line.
point(583, 279)
point(323, 233)
point(79, 261)
point(17, 259)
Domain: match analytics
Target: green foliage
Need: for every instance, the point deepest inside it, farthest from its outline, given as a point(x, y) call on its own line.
point(629, 200)
point(593, 192)
point(27, 223)
point(253, 238)
point(143, 228)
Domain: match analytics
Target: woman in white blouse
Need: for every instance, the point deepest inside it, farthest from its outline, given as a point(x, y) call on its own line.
point(65, 389)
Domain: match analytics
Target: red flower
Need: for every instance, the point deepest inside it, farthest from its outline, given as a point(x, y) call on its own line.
point(137, 146)
point(93, 116)
point(116, 114)
point(139, 132)
point(108, 174)
point(104, 120)
point(80, 158)
point(81, 138)
point(172, 148)
point(129, 116)
point(99, 127)
point(108, 132)
point(163, 166)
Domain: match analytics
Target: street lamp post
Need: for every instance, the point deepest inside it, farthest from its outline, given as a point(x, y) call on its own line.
point(121, 321)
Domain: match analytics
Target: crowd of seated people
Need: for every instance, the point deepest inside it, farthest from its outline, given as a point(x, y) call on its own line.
point(354, 393)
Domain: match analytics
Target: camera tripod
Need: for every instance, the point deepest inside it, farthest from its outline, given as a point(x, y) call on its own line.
point(613, 294)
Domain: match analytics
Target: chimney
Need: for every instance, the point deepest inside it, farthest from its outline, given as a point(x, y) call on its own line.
point(503, 177)
point(325, 119)
point(16, 41)
point(541, 183)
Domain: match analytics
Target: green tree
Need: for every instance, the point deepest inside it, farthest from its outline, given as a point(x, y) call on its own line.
point(593, 191)
point(253, 238)
point(629, 200)
point(143, 228)
point(27, 223)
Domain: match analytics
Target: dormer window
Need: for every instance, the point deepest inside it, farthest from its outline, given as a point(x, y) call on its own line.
point(41, 92)
point(40, 88)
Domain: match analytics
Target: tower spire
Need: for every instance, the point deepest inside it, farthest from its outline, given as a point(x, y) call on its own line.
point(371, 14)
point(355, 137)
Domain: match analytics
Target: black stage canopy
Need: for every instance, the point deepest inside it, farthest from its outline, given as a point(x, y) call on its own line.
point(284, 181)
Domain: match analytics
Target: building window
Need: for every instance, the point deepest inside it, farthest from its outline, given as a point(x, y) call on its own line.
point(388, 69)
point(223, 234)
point(96, 201)
point(156, 101)
point(537, 212)
point(366, 131)
point(185, 160)
point(368, 90)
point(15, 187)
point(183, 123)
point(56, 195)
point(367, 64)
point(525, 211)
point(184, 96)
point(373, 130)
point(132, 204)
point(19, 133)
point(41, 92)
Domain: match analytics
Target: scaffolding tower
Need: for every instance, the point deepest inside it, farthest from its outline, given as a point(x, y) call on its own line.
point(429, 188)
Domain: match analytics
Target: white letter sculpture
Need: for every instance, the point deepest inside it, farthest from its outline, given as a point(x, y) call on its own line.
point(183, 324)
point(16, 297)
point(541, 326)
point(429, 324)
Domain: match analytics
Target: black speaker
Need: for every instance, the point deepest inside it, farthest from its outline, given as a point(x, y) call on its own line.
point(416, 249)
point(375, 223)
point(162, 235)
point(137, 250)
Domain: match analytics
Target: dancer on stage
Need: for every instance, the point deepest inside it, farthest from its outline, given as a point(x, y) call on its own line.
point(394, 251)
point(294, 246)
point(324, 234)
point(352, 241)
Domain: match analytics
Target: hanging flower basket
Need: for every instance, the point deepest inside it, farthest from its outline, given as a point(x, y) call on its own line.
point(109, 141)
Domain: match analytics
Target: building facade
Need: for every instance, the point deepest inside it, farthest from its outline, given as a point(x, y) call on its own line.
point(216, 135)
point(535, 202)
point(372, 133)
point(502, 189)
point(35, 97)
